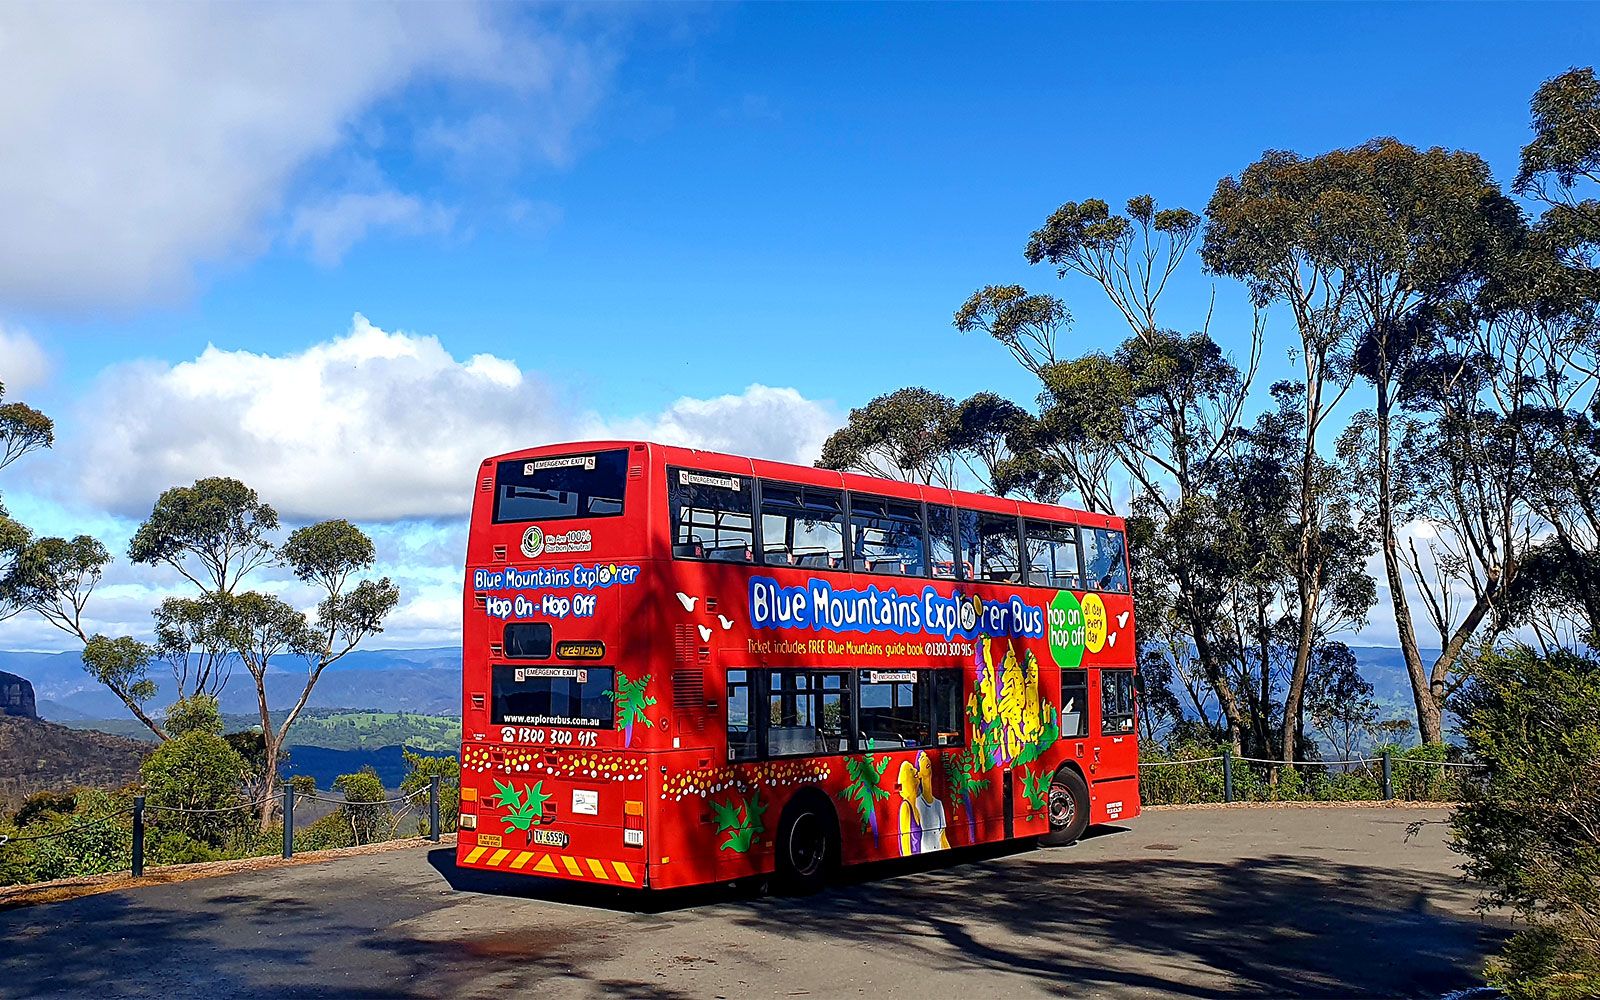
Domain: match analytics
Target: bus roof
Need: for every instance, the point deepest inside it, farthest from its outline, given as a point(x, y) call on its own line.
point(761, 468)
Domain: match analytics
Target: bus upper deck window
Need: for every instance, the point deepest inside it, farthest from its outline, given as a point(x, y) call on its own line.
point(802, 526)
point(1106, 561)
point(991, 549)
point(711, 515)
point(550, 489)
point(885, 536)
point(1052, 550)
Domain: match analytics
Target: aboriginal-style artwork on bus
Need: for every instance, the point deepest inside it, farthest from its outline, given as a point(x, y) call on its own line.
point(866, 788)
point(962, 773)
point(739, 816)
point(631, 703)
point(704, 782)
point(594, 766)
point(525, 809)
point(922, 815)
point(1011, 723)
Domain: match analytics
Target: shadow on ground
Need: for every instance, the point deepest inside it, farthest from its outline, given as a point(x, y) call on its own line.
point(1066, 922)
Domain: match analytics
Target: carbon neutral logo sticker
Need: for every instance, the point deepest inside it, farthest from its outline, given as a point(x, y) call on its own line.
point(533, 542)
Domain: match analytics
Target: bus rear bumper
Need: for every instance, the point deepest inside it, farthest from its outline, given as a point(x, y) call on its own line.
point(552, 864)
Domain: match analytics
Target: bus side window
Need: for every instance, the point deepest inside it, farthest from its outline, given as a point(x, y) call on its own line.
point(711, 516)
point(808, 712)
point(944, 554)
point(1104, 552)
point(741, 731)
point(1052, 555)
point(994, 549)
point(1116, 702)
point(802, 526)
point(948, 719)
point(1074, 703)
point(885, 536)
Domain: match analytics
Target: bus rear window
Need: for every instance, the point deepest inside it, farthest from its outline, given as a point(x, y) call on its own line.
point(550, 489)
point(553, 696)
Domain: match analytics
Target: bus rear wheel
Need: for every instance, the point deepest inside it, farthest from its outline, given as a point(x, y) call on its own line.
point(1068, 804)
point(807, 847)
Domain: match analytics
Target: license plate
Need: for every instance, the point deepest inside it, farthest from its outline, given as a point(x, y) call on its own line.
point(550, 838)
point(488, 840)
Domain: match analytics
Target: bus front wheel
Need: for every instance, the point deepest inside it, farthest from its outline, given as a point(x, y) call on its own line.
point(1069, 808)
point(807, 846)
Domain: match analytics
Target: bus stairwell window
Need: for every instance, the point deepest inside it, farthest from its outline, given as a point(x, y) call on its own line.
point(944, 552)
point(802, 526)
point(553, 489)
point(712, 515)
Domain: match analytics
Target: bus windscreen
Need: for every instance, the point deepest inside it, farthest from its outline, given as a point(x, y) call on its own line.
point(550, 489)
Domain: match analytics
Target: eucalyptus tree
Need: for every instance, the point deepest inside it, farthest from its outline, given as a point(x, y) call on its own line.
point(23, 429)
point(905, 434)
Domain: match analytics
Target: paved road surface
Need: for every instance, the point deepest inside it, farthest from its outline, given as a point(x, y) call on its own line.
point(1259, 902)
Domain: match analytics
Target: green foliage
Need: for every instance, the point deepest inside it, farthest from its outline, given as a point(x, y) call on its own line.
point(903, 434)
point(198, 772)
point(329, 833)
point(89, 837)
point(214, 533)
point(365, 809)
point(328, 552)
point(1035, 788)
point(22, 429)
point(1566, 125)
point(1530, 825)
point(195, 714)
point(303, 784)
point(421, 769)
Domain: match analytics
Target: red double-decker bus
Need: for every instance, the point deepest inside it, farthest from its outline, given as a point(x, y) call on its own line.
point(682, 667)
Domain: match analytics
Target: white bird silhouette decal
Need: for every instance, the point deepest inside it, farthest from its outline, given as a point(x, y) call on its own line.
point(705, 633)
point(1112, 639)
point(1122, 620)
point(687, 601)
point(727, 622)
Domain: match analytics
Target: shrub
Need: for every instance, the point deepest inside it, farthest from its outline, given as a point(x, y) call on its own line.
point(197, 771)
point(424, 767)
point(329, 832)
point(1529, 821)
point(195, 714)
point(365, 809)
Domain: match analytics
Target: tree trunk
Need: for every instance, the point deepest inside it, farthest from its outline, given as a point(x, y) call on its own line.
point(1428, 710)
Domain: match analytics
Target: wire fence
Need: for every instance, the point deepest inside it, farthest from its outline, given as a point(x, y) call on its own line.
point(1416, 774)
point(368, 820)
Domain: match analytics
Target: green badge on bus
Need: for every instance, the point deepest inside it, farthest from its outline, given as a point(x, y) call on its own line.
point(1065, 629)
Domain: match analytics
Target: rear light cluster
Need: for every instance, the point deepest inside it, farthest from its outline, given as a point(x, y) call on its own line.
point(469, 809)
point(633, 824)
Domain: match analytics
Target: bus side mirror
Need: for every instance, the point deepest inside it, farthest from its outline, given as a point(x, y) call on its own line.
point(1138, 684)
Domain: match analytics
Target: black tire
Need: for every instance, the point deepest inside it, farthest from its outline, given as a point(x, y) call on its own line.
point(807, 847)
point(1068, 804)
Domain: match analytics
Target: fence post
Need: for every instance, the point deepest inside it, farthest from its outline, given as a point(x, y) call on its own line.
point(433, 809)
point(288, 821)
point(138, 836)
point(1227, 774)
point(1388, 778)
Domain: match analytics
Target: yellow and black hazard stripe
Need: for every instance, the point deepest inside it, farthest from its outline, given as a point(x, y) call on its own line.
point(550, 863)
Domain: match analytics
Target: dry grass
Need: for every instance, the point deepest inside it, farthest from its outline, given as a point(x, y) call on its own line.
point(12, 897)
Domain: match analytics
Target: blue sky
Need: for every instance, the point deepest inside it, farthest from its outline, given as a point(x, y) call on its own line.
point(637, 213)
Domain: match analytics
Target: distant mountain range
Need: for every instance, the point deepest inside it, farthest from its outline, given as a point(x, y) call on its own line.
point(429, 681)
point(390, 680)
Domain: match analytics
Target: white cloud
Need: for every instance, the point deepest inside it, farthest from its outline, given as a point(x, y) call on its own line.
point(23, 363)
point(330, 227)
point(372, 425)
point(144, 139)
